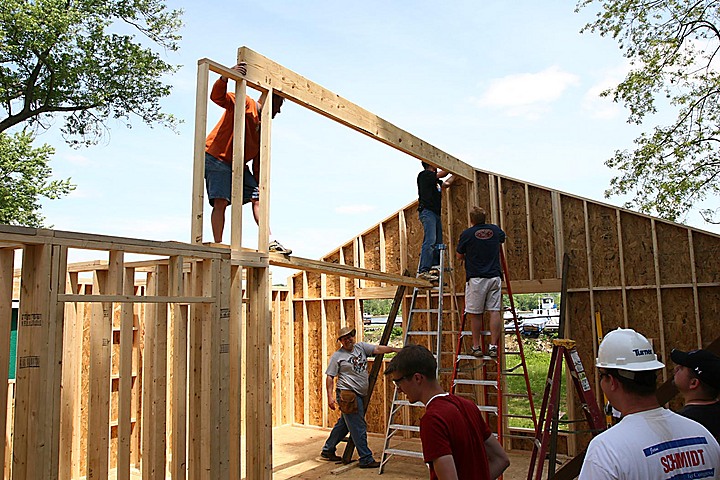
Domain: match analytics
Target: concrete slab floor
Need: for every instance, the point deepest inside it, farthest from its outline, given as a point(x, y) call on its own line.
point(296, 455)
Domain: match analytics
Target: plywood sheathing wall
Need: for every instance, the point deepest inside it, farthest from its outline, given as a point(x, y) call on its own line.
point(636, 271)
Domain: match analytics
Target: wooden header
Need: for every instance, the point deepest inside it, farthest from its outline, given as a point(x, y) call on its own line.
point(263, 74)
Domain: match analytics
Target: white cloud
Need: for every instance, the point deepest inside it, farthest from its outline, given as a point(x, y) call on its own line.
point(354, 209)
point(604, 107)
point(527, 94)
point(75, 159)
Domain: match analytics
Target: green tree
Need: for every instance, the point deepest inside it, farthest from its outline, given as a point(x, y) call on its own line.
point(71, 58)
point(672, 47)
point(24, 174)
point(79, 61)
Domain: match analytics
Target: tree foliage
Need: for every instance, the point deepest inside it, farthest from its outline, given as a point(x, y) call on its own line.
point(80, 59)
point(672, 46)
point(24, 174)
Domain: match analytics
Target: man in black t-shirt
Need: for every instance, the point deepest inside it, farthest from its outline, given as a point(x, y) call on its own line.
point(479, 248)
point(430, 200)
point(697, 377)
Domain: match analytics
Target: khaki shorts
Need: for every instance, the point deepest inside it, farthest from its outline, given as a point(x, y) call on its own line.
point(483, 295)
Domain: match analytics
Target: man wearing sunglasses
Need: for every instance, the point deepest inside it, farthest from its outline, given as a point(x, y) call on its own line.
point(349, 365)
point(697, 377)
point(650, 442)
point(456, 441)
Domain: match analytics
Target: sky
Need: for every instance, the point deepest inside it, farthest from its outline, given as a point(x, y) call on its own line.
point(508, 87)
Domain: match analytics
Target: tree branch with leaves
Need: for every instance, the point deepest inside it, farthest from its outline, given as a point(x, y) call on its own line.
point(672, 46)
point(80, 61)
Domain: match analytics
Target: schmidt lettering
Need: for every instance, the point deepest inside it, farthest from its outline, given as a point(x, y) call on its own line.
point(692, 458)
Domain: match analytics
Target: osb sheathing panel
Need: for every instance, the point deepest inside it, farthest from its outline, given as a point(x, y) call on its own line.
point(642, 308)
point(579, 315)
point(375, 416)
point(298, 351)
point(604, 246)
point(482, 182)
point(673, 254)
point(349, 257)
point(542, 233)
point(707, 253)
point(578, 319)
point(709, 302)
point(332, 282)
point(315, 372)
point(610, 306)
point(332, 314)
point(313, 285)
point(414, 236)
point(678, 319)
point(286, 353)
point(391, 230)
point(514, 223)
point(297, 285)
point(573, 227)
point(457, 211)
point(349, 306)
point(371, 244)
point(638, 253)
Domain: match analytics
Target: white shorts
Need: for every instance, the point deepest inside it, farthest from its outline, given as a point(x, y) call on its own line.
point(483, 294)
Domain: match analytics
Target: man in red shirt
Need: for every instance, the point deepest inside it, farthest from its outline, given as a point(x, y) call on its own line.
point(456, 441)
point(219, 155)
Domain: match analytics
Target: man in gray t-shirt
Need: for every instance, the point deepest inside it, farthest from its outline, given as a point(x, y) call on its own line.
point(349, 365)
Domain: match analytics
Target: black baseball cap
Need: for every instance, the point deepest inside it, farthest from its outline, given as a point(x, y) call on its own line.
point(704, 363)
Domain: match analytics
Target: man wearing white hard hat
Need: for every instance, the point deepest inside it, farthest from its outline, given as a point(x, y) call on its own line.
point(650, 442)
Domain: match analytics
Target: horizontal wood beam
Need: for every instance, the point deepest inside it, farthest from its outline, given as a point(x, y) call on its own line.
point(371, 293)
point(280, 260)
point(263, 73)
point(17, 236)
point(67, 297)
point(545, 285)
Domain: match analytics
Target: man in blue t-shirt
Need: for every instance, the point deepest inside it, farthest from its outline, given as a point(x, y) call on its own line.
point(479, 248)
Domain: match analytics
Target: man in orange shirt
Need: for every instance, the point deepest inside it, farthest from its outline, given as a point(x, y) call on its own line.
point(219, 156)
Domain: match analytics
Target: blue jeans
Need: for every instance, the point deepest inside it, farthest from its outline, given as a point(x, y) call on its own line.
point(432, 226)
point(355, 424)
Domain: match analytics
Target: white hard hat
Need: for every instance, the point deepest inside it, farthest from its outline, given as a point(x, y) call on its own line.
point(625, 349)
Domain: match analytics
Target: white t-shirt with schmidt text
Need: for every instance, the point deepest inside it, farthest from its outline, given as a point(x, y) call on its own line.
point(654, 444)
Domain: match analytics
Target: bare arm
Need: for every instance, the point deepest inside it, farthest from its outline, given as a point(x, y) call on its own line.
point(445, 468)
point(219, 94)
point(449, 181)
point(330, 387)
point(498, 460)
point(385, 349)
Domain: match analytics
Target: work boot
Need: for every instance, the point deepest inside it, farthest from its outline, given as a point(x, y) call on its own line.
point(373, 464)
point(476, 352)
point(330, 457)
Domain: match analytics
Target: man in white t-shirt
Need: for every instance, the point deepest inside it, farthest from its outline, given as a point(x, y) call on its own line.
point(650, 442)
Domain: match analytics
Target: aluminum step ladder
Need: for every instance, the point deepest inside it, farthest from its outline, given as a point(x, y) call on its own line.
point(401, 410)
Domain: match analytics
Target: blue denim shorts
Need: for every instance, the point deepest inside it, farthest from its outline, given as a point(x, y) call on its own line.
point(218, 181)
